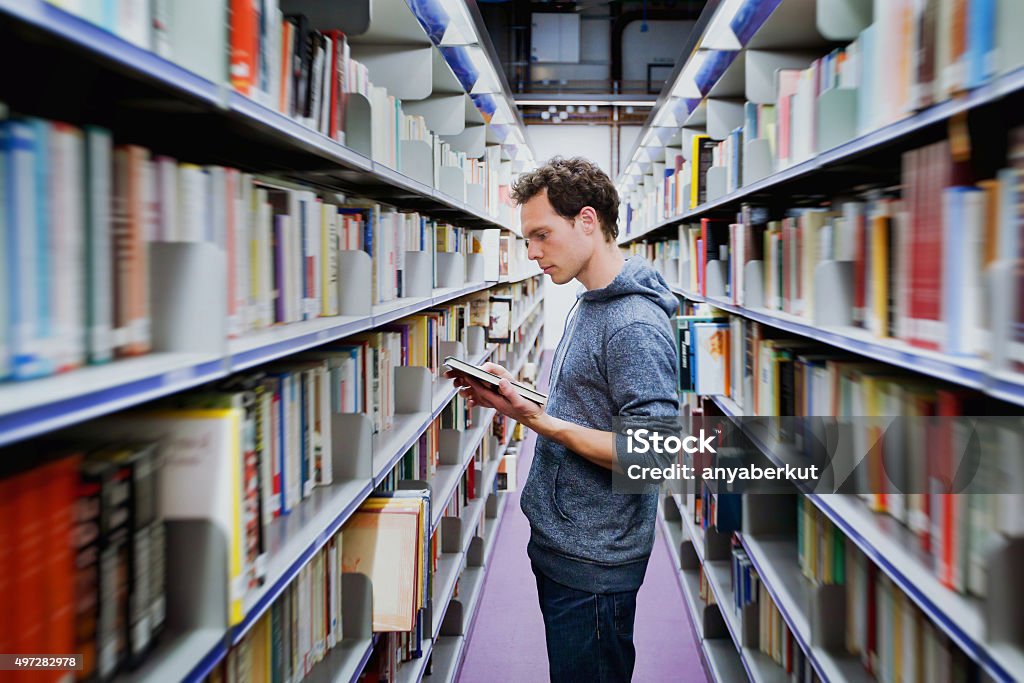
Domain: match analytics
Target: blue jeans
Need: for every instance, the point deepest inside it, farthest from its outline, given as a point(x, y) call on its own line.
point(589, 635)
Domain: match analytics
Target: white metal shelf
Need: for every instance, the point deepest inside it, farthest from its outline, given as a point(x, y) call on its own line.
point(344, 663)
point(144, 65)
point(889, 545)
point(39, 406)
point(189, 656)
point(776, 563)
point(993, 91)
point(35, 407)
point(965, 371)
point(453, 473)
point(294, 539)
point(759, 667)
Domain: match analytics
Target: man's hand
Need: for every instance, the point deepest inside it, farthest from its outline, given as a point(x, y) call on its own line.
point(503, 398)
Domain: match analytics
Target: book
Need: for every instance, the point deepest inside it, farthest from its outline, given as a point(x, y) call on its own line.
point(456, 365)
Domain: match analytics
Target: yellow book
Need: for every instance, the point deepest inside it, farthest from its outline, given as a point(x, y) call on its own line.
point(878, 320)
point(697, 169)
point(201, 475)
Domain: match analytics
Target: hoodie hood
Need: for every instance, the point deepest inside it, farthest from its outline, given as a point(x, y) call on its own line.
point(637, 277)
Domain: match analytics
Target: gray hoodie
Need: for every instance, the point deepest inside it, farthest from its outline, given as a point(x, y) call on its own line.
point(617, 358)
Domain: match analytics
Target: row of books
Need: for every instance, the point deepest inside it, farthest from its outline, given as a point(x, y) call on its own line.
point(83, 213)
point(301, 627)
point(85, 553)
point(922, 260)
point(774, 637)
point(890, 634)
point(913, 55)
point(774, 376)
point(379, 537)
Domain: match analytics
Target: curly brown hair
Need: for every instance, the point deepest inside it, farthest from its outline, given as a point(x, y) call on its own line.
point(572, 184)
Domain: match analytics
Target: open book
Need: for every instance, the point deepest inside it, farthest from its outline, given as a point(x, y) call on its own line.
point(478, 373)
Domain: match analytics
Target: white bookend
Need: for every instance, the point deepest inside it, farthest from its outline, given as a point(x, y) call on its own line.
point(757, 160)
point(832, 304)
point(475, 196)
point(359, 123)
point(404, 70)
point(451, 269)
point(724, 116)
point(186, 281)
point(717, 182)
point(417, 160)
point(197, 37)
point(354, 297)
point(1009, 46)
point(836, 117)
point(491, 243)
point(843, 19)
point(443, 113)
point(99, 312)
point(134, 22)
point(761, 68)
point(451, 181)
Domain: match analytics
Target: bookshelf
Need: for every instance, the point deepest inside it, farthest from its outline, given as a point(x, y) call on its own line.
point(722, 78)
point(888, 544)
point(191, 110)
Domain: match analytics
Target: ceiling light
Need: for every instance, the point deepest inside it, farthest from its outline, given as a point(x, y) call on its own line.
point(571, 109)
point(545, 115)
point(629, 110)
point(553, 109)
point(563, 115)
point(593, 109)
point(582, 103)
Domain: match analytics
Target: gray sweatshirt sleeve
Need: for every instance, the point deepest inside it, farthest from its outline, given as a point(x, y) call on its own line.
point(642, 369)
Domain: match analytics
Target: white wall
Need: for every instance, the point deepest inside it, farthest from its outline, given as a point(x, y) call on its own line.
point(593, 142)
point(660, 44)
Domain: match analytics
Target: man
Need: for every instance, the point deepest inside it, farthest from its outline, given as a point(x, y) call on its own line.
point(617, 359)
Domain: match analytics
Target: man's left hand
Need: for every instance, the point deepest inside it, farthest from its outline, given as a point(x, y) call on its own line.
point(503, 398)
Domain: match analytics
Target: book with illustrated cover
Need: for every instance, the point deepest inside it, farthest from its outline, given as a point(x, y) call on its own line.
point(499, 328)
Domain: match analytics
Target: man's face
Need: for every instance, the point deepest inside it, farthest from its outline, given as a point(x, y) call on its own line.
point(557, 244)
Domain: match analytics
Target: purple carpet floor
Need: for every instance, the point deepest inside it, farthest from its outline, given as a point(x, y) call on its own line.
point(507, 640)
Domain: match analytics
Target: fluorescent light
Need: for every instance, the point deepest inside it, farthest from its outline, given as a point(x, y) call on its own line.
point(600, 103)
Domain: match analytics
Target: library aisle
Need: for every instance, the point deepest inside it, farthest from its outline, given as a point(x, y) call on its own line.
point(507, 641)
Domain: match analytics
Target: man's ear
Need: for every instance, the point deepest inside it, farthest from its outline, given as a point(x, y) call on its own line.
point(590, 222)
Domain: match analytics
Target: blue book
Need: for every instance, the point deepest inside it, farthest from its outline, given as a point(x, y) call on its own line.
point(981, 42)
point(750, 131)
point(20, 150)
point(953, 258)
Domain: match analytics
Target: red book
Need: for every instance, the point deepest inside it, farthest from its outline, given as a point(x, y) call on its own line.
point(338, 95)
point(927, 326)
point(244, 45)
point(870, 655)
point(8, 582)
point(948, 504)
point(27, 608)
point(61, 482)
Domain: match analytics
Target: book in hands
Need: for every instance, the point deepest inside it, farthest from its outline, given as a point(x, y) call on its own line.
point(476, 372)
